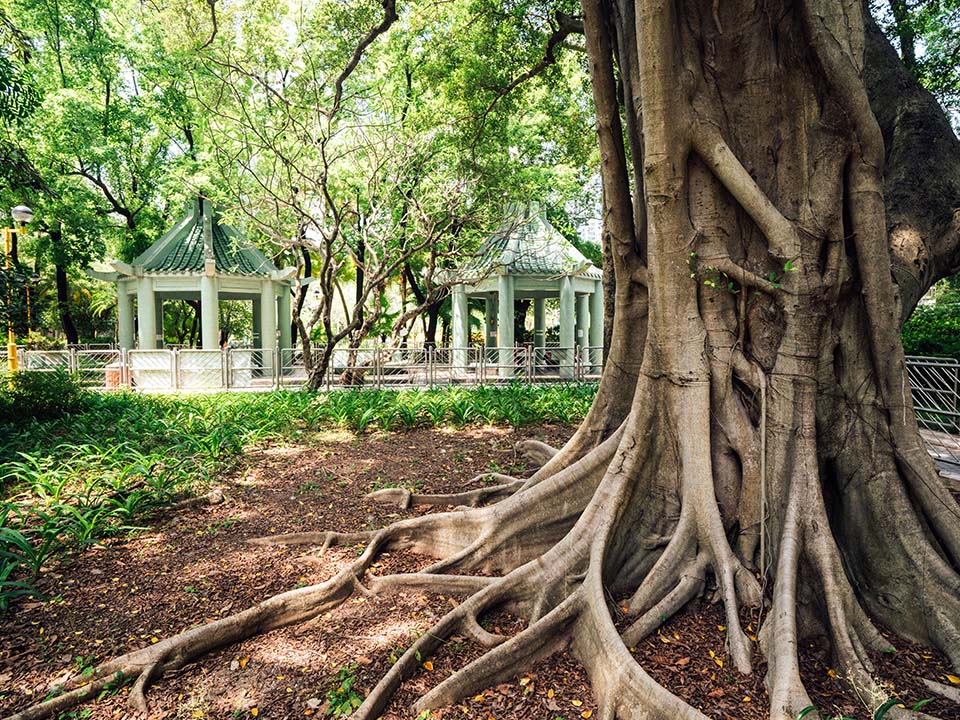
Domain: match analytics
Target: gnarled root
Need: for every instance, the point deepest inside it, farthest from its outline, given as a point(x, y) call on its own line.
point(536, 452)
point(404, 499)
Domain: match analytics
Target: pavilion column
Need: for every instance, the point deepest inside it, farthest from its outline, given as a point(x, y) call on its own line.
point(490, 322)
point(146, 314)
point(257, 337)
point(461, 328)
point(567, 324)
point(158, 323)
point(583, 325)
point(209, 312)
point(285, 319)
point(268, 325)
point(539, 322)
point(124, 318)
point(505, 338)
point(596, 327)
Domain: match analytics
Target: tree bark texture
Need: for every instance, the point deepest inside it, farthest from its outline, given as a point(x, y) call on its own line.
point(753, 435)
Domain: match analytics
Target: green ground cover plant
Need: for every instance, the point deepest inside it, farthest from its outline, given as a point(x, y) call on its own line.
point(77, 466)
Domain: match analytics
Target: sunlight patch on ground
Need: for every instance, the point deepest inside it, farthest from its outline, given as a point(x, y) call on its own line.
point(284, 650)
point(283, 450)
point(333, 435)
point(392, 633)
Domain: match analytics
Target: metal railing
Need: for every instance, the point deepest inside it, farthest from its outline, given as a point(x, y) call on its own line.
point(935, 384)
point(935, 381)
point(368, 367)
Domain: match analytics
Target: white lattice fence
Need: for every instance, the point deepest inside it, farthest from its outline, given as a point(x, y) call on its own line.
point(935, 383)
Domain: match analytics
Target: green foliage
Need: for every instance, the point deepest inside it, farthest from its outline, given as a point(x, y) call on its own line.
point(933, 331)
point(343, 699)
point(41, 396)
point(515, 404)
point(931, 29)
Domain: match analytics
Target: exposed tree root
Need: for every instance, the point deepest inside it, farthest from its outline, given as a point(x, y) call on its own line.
point(404, 499)
point(536, 452)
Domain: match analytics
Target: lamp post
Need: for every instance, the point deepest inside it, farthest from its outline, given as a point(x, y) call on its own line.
point(21, 215)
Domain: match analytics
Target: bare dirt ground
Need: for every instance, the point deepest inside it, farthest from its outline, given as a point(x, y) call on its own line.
point(194, 566)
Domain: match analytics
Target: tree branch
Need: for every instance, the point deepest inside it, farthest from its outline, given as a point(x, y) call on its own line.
point(781, 234)
point(389, 17)
point(566, 25)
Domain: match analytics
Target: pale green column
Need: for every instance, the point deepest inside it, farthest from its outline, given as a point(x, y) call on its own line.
point(257, 324)
point(505, 326)
point(268, 324)
point(124, 318)
point(461, 328)
point(158, 323)
point(490, 322)
point(539, 323)
point(596, 327)
point(146, 314)
point(209, 313)
point(567, 326)
point(285, 319)
point(583, 326)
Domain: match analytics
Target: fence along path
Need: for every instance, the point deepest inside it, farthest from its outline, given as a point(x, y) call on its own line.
point(935, 381)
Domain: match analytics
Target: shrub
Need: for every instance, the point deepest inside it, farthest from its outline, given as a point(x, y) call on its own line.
point(933, 330)
point(41, 396)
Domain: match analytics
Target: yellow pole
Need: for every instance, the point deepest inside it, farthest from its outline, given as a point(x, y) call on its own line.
point(12, 363)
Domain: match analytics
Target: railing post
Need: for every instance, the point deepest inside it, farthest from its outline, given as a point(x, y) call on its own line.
point(72, 365)
point(174, 368)
point(956, 397)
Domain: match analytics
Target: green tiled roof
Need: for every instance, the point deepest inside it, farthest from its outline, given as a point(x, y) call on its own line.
point(527, 244)
point(181, 249)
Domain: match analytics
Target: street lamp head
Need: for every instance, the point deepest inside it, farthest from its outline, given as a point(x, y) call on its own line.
point(22, 214)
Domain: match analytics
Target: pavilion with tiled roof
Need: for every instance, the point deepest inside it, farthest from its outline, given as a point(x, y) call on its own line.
point(528, 258)
point(201, 258)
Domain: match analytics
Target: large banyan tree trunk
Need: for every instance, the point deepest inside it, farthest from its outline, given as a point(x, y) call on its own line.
point(753, 431)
